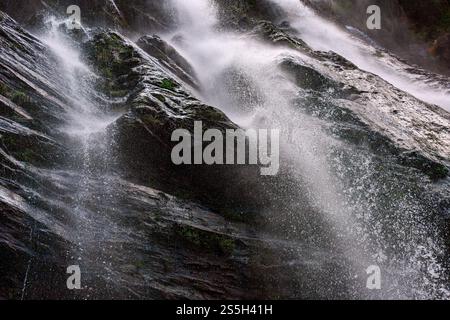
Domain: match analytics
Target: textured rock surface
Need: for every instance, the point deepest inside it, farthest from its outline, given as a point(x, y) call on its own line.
point(163, 245)
point(157, 105)
point(410, 28)
point(169, 57)
point(127, 16)
point(141, 227)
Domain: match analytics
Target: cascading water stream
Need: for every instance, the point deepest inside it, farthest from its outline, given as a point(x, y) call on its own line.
point(87, 121)
point(213, 56)
point(265, 100)
point(323, 35)
point(337, 206)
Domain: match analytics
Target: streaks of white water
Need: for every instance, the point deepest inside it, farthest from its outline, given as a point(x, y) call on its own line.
point(84, 116)
point(195, 16)
point(323, 35)
point(214, 53)
point(25, 280)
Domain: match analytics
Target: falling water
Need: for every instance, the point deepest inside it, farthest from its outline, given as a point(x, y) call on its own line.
point(224, 60)
point(353, 205)
point(323, 35)
point(87, 121)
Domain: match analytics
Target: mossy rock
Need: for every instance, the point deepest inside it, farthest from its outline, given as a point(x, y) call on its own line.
point(434, 170)
point(112, 56)
point(17, 96)
point(437, 171)
point(5, 90)
point(118, 93)
point(30, 149)
point(20, 98)
point(168, 84)
point(217, 243)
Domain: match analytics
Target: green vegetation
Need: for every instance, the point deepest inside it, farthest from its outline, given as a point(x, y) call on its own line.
point(152, 120)
point(5, 90)
point(160, 97)
point(211, 114)
point(167, 84)
point(437, 172)
point(111, 55)
point(139, 264)
point(207, 240)
point(27, 155)
point(20, 97)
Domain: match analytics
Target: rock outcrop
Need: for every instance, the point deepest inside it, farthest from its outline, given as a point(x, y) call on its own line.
point(141, 227)
point(127, 16)
point(176, 243)
point(414, 30)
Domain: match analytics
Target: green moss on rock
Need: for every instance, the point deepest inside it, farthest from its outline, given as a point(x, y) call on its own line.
point(5, 90)
point(168, 84)
point(206, 240)
point(20, 97)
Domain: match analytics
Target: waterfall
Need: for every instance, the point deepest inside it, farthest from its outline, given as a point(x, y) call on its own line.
point(88, 180)
point(321, 34)
point(85, 129)
point(241, 76)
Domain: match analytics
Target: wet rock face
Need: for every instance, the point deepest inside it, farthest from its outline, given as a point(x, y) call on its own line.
point(169, 248)
point(243, 15)
point(278, 36)
point(169, 58)
point(409, 28)
point(20, 12)
point(156, 106)
point(357, 89)
point(123, 15)
point(30, 110)
point(193, 232)
point(146, 16)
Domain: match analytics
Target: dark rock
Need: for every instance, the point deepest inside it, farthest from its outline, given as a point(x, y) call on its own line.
point(169, 57)
point(409, 27)
point(308, 78)
point(243, 15)
point(157, 106)
point(441, 48)
point(55, 211)
point(269, 32)
point(126, 16)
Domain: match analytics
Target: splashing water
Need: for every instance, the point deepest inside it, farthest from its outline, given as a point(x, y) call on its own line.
point(241, 76)
point(85, 117)
point(86, 130)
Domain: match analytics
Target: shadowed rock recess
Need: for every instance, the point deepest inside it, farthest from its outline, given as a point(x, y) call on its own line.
point(86, 176)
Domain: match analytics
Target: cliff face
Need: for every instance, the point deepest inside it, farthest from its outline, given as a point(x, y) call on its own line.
point(42, 231)
point(126, 16)
point(111, 200)
point(416, 30)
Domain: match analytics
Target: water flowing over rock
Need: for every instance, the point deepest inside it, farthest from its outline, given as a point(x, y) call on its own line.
point(87, 179)
point(34, 189)
point(409, 28)
point(169, 57)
